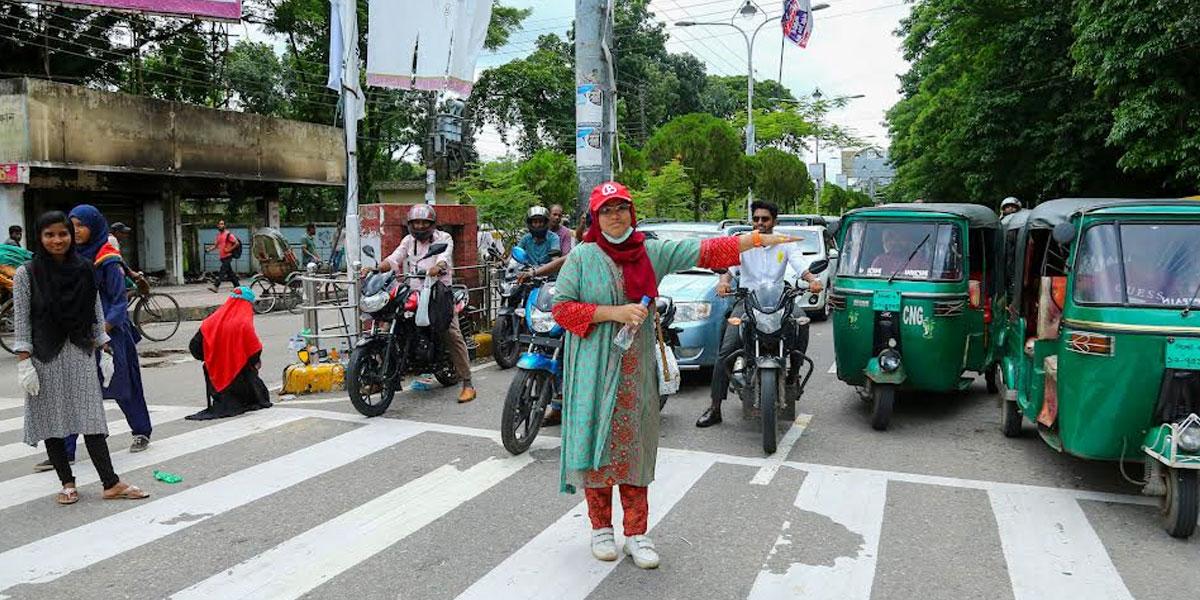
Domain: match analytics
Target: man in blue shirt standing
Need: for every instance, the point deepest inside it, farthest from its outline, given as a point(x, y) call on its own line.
point(541, 245)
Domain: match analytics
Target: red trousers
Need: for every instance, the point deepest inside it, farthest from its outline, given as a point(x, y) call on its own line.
point(633, 501)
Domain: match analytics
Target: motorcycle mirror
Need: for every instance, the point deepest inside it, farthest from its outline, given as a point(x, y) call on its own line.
point(519, 254)
point(1064, 234)
point(493, 252)
point(369, 251)
point(818, 266)
point(662, 304)
point(435, 250)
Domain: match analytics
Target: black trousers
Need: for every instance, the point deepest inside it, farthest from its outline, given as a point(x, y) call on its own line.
point(97, 448)
point(226, 273)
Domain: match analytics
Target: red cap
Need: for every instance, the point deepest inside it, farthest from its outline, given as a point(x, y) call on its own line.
point(609, 190)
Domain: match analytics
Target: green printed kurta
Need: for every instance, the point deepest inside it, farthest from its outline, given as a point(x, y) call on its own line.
point(610, 400)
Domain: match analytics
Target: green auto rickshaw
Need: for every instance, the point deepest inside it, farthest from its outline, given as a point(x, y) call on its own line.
point(915, 281)
point(1102, 348)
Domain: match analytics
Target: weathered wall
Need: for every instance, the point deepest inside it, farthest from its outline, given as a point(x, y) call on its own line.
point(56, 125)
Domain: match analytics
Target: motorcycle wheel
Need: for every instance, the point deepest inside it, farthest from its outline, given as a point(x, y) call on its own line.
point(768, 398)
point(884, 397)
point(524, 408)
point(506, 353)
point(371, 392)
point(445, 373)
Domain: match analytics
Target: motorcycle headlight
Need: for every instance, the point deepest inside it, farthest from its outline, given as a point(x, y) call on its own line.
point(688, 312)
point(375, 302)
point(1189, 438)
point(768, 322)
point(889, 360)
point(543, 322)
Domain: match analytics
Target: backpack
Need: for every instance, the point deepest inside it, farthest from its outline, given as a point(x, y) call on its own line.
point(237, 250)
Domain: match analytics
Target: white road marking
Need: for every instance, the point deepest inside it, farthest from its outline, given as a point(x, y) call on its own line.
point(12, 424)
point(759, 462)
point(854, 501)
point(7, 403)
point(478, 368)
point(832, 369)
point(775, 461)
point(55, 556)
point(308, 560)
point(557, 564)
point(40, 485)
point(164, 414)
point(282, 402)
point(1051, 549)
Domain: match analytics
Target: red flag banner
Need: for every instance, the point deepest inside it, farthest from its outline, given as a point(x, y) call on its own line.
point(218, 10)
point(797, 21)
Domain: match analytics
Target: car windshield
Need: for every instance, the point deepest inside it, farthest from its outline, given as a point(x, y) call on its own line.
point(1141, 264)
point(768, 296)
point(811, 244)
point(682, 234)
point(882, 249)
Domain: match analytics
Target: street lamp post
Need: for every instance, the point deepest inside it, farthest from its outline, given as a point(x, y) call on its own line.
point(818, 112)
point(749, 9)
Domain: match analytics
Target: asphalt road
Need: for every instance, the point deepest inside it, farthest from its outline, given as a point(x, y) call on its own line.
point(309, 499)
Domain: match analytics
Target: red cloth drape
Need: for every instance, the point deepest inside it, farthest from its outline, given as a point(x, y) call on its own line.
point(229, 341)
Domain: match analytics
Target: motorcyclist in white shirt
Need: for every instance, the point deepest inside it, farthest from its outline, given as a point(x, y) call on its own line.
point(759, 265)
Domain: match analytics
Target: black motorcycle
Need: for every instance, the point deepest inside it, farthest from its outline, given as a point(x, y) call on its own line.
point(392, 344)
point(769, 372)
point(510, 322)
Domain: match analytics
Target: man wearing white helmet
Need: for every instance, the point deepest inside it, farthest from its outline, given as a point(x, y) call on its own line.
point(422, 234)
point(1009, 206)
point(540, 244)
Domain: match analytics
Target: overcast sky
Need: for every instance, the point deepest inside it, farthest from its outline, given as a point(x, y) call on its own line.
point(852, 51)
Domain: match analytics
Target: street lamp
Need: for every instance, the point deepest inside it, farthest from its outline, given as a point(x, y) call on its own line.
point(749, 9)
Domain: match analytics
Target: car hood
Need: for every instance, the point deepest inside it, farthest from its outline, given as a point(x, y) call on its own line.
point(685, 287)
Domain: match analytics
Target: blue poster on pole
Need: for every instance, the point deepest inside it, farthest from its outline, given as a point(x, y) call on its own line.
point(797, 21)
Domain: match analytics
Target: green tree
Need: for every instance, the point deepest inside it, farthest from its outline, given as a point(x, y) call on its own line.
point(534, 95)
point(666, 195)
point(781, 178)
point(708, 149)
point(725, 97)
point(256, 76)
point(550, 176)
point(496, 190)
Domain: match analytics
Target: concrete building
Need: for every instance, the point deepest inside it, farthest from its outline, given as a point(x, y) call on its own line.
point(138, 158)
point(412, 192)
point(867, 170)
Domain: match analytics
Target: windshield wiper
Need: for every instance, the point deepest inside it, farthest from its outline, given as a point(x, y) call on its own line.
point(910, 257)
point(1188, 309)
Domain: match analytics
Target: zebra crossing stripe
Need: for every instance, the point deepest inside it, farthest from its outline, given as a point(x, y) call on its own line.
point(7, 403)
point(557, 564)
point(304, 562)
point(40, 485)
point(12, 424)
point(855, 502)
point(1051, 549)
point(17, 450)
point(53, 557)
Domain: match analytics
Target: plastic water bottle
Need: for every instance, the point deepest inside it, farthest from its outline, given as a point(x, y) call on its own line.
point(624, 337)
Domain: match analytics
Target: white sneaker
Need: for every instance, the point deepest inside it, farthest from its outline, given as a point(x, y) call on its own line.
point(604, 545)
point(642, 550)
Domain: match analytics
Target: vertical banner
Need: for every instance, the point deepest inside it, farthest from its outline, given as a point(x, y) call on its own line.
point(219, 10)
point(797, 21)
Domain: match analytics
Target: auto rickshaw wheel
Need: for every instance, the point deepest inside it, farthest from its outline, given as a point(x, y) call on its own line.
point(1011, 420)
point(992, 377)
point(1181, 504)
point(884, 399)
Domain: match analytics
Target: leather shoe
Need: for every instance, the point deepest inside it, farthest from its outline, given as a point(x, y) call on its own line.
point(467, 395)
point(711, 417)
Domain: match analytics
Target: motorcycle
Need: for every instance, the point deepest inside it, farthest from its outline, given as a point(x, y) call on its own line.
point(766, 371)
point(392, 344)
point(539, 376)
point(510, 316)
point(666, 312)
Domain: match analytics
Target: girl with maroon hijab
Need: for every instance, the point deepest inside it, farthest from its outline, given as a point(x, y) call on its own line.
point(610, 396)
point(232, 354)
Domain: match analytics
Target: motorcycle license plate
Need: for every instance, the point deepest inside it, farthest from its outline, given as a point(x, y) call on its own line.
point(886, 300)
point(1183, 354)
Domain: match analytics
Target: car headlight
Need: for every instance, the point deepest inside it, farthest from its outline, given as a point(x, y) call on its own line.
point(768, 322)
point(689, 312)
point(543, 322)
point(1189, 439)
point(889, 360)
point(375, 302)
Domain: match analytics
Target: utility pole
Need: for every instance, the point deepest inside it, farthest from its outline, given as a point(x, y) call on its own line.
point(595, 91)
point(350, 107)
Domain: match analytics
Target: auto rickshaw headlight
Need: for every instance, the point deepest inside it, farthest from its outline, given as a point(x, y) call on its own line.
point(889, 360)
point(1189, 438)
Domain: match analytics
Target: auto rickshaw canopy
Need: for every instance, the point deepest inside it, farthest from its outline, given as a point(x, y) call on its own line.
point(977, 215)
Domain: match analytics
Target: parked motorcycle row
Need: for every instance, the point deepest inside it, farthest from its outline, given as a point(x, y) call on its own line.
point(1080, 315)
